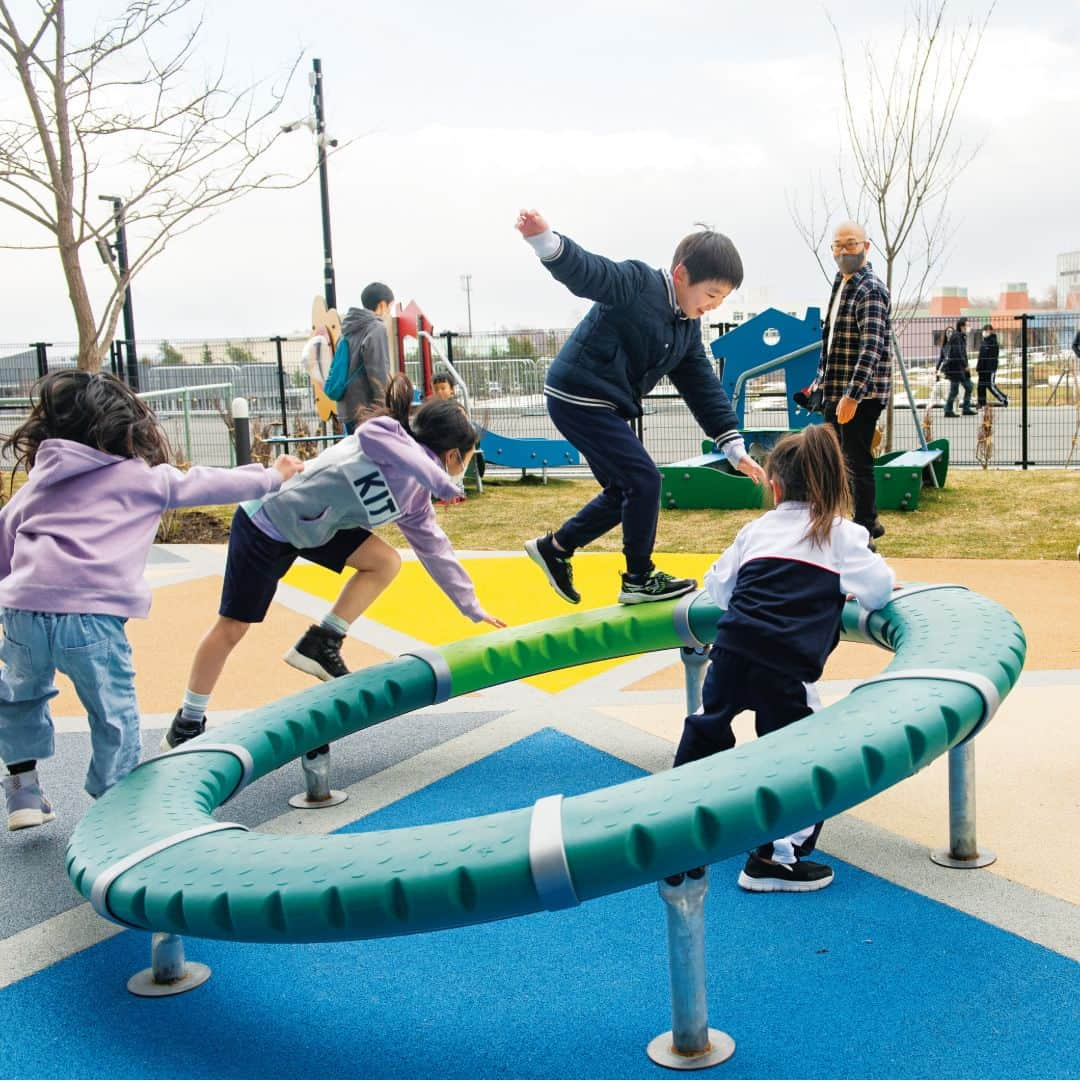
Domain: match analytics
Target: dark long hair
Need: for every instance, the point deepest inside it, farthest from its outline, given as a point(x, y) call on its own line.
point(93, 408)
point(809, 467)
point(441, 424)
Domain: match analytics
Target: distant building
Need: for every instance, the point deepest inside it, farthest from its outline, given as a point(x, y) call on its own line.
point(1068, 280)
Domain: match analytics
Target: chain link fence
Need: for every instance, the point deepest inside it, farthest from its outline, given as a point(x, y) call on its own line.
point(191, 384)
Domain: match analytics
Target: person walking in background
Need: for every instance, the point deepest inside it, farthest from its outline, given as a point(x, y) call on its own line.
point(955, 368)
point(782, 586)
point(74, 541)
point(645, 324)
point(855, 371)
point(987, 366)
point(369, 353)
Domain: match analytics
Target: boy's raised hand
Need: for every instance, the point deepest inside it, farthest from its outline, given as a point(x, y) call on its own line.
point(288, 465)
point(531, 223)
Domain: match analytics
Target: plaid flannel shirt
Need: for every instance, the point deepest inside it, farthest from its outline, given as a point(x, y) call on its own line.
point(859, 364)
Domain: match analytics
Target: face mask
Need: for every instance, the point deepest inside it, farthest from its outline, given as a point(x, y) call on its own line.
point(848, 264)
point(987, 333)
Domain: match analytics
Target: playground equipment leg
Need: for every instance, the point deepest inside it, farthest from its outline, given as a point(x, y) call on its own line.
point(690, 1044)
point(317, 791)
point(962, 852)
point(169, 973)
point(694, 659)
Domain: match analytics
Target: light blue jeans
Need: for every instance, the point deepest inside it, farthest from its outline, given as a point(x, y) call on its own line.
point(94, 653)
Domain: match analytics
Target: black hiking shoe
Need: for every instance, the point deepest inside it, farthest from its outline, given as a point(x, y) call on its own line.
point(654, 586)
point(180, 731)
point(764, 876)
point(318, 653)
point(555, 565)
point(876, 530)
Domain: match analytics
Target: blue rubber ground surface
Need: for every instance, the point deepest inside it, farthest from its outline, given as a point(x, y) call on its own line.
point(861, 980)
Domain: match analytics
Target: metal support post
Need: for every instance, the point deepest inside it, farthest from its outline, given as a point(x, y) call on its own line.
point(690, 1044)
point(241, 430)
point(277, 340)
point(695, 659)
point(963, 852)
point(317, 791)
point(169, 973)
point(42, 357)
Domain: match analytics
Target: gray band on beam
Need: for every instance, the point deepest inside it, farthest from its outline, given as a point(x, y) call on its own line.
point(547, 855)
point(434, 659)
point(982, 685)
point(241, 754)
point(99, 892)
point(681, 616)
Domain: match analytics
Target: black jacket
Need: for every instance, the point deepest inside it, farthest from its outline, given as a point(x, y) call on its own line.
point(955, 362)
point(988, 354)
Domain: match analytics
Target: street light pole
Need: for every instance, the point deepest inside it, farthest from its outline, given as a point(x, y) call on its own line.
point(122, 267)
point(466, 284)
point(329, 287)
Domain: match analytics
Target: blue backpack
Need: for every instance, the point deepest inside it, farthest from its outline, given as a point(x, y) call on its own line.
point(339, 378)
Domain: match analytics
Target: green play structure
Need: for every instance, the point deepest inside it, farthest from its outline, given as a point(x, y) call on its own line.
point(150, 854)
point(899, 477)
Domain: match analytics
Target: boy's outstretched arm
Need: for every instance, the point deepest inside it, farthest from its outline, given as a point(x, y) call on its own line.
point(593, 277)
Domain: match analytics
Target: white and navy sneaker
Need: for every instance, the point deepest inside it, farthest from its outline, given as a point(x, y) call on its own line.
point(180, 731)
point(318, 653)
point(765, 876)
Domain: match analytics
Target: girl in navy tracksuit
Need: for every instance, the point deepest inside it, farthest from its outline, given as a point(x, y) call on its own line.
point(782, 586)
point(645, 325)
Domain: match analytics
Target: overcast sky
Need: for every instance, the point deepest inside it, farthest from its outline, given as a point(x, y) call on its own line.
point(623, 122)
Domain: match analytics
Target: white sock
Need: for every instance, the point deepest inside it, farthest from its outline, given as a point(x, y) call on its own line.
point(193, 708)
point(334, 624)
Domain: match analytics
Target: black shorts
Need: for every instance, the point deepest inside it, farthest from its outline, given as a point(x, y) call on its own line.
point(256, 563)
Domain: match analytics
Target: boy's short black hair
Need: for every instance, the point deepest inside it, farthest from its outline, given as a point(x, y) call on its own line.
point(374, 294)
point(709, 256)
point(443, 377)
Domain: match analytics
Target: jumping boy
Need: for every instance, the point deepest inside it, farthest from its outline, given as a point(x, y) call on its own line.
point(645, 324)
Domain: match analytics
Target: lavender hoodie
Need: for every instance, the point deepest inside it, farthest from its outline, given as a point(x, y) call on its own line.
point(75, 537)
point(376, 475)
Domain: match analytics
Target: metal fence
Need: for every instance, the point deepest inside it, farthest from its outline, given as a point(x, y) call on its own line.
point(193, 382)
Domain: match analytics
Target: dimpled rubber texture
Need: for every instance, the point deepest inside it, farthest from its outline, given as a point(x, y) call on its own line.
point(256, 887)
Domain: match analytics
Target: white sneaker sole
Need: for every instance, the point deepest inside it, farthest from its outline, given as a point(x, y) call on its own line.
point(779, 885)
point(533, 553)
point(306, 664)
point(645, 598)
point(28, 817)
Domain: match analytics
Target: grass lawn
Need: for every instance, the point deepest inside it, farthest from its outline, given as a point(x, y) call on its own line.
point(996, 514)
point(992, 514)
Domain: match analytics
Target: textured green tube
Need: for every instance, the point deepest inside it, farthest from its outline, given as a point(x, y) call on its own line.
point(140, 857)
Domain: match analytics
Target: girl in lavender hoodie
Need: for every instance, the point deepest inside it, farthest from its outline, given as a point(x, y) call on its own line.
point(387, 470)
point(73, 543)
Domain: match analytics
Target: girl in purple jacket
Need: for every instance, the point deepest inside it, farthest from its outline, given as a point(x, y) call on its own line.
point(73, 544)
point(387, 470)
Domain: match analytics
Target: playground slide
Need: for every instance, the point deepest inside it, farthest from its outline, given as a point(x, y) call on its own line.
point(149, 854)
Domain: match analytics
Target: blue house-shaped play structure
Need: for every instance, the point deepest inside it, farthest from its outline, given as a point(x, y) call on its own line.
point(759, 347)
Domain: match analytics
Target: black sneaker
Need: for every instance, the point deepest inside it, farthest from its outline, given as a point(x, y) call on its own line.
point(180, 731)
point(556, 567)
point(876, 530)
point(764, 876)
point(318, 653)
point(654, 586)
point(970, 412)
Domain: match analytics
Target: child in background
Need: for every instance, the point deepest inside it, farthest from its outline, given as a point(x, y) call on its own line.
point(645, 324)
point(74, 540)
point(782, 586)
point(385, 471)
point(442, 385)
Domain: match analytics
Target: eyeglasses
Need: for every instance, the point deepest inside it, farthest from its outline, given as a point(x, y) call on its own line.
point(848, 246)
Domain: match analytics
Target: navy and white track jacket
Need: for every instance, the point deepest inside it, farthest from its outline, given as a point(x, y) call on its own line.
point(783, 594)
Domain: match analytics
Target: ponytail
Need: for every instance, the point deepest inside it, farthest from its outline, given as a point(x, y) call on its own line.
point(440, 424)
point(809, 467)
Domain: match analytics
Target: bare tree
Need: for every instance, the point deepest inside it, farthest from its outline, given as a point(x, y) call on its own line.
point(125, 104)
point(902, 153)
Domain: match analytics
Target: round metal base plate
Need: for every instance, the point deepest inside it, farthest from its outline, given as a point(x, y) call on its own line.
point(721, 1048)
point(142, 983)
point(302, 802)
point(942, 857)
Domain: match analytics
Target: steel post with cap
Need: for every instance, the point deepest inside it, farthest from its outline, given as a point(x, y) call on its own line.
point(317, 792)
point(169, 973)
point(963, 851)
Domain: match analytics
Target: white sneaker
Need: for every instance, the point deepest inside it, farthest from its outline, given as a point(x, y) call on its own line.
point(26, 803)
